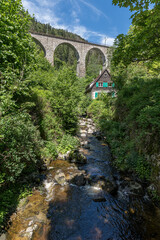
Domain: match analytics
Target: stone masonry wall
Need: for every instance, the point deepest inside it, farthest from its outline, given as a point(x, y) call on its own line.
point(51, 43)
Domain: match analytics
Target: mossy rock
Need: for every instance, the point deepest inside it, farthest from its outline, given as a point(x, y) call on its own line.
point(77, 157)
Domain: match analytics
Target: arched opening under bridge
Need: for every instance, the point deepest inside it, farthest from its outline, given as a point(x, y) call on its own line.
point(65, 53)
point(94, 62)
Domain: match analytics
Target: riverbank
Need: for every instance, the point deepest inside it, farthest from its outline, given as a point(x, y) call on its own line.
point(86, 199)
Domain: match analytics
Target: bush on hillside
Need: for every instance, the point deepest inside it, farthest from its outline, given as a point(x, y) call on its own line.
point(20, 146)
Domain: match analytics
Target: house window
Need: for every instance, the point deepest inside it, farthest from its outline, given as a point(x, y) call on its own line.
point(97, 84)
point(105, 84)
point(96, 94)
point(109, 84)
point(100, 84)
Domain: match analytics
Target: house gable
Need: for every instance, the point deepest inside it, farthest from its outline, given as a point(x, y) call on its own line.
point(102, 83)
point(103, 78)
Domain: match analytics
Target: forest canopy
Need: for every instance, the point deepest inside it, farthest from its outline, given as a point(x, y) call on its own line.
point(142, 42)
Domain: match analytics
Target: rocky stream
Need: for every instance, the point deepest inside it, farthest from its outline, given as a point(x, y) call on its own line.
point(82, 197)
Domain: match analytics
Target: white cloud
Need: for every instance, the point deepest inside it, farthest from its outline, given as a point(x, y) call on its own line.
point(81, 31)
point(87, 34)
point(75, 5)
point(94, 9)
point(45, 14)
point(31, 7)
point(105, 40)
point(48, 3)
point(75, 17)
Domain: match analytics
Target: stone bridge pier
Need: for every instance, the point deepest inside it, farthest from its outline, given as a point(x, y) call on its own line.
point(50, 43)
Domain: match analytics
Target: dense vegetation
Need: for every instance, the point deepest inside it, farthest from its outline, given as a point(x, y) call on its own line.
point(48, 29)
point(131, 122)
point(39, 106)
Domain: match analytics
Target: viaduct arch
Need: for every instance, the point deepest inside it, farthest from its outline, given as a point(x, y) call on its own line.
point(50, 43)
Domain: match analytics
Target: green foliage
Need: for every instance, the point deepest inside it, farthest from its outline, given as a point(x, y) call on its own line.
point(10, 197)
point(49, 152)
point(7, 104)
point(20, 142)
point(38, 105)
point(42, 63)
point(131, 121)
point(135, 5)
point(101, 108)
point(142, 41)
point(50, 125)
point(94, 63)
point(67, 143)
point(84, 99)
point(96, 108)
point(83, 104)
point(135, 71)
point(48, 29)
point(138, 102)
point(65, 53)
point(56, 95)
point(154, 195)
point(19, 146)
point(17, 48)
point(138, 107)
point(65, 98)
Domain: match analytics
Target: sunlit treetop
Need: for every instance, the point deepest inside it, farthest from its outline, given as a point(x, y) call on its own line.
point(136, 5)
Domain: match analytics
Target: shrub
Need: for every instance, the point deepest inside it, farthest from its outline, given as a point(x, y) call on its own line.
point(67, 143)
point(20, 145)
point(49, 152)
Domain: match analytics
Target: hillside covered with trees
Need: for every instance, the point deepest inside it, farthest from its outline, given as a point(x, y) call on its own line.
point(38, 27)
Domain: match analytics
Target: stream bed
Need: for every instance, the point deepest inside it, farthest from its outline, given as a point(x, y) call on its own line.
point(86, 200)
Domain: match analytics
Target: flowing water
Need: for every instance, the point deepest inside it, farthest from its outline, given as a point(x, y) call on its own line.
point(86, 210)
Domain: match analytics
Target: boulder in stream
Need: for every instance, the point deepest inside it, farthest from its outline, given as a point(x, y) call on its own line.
point(108, 185)
point(98, 135)
point(99, 199)
point(83, 142)
point(3, 237)
point(77, 157)
point(60, 177)
point(64, 156)
point(130, 188)
point(79, 180)
point(135, 188)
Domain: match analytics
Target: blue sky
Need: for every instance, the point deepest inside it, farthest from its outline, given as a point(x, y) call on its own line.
point(96, 21)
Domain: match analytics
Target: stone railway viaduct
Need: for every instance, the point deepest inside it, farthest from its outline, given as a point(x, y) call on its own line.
point(50, 43)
